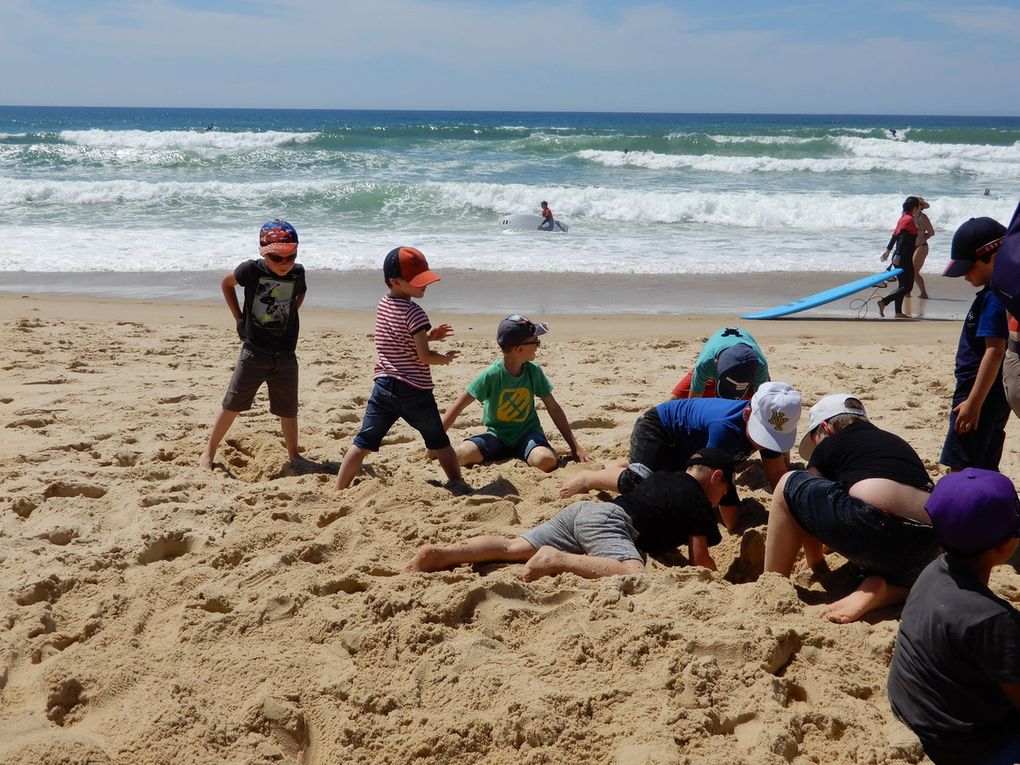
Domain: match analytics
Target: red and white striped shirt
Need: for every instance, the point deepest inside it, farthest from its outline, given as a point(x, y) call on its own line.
point(397, 320)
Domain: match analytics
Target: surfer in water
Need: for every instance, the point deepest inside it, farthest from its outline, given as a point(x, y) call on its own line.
point(548, 222)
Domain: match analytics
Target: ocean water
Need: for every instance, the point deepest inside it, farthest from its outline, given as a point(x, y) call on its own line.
point(104, 189)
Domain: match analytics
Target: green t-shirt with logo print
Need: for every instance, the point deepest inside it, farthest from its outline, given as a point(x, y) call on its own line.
point(508, 402)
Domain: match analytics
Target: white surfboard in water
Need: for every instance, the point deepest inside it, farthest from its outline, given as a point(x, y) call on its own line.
point(530, 223)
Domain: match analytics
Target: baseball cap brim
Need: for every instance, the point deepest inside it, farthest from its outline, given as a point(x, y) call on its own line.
point(733, 383)
point(958, 267)
point(807, 446)
point(424, 279)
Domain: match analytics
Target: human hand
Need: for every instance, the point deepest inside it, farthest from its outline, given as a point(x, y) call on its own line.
point(441, 332)
point(580, 454)
point(431, 454)
point(967, 415)
point(884, 256)
point(449, 356)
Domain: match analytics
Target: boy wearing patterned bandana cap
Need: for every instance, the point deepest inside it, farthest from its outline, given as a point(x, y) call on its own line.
point(862, 495)
point(955, 674)
point(664, 438)
point(267, 323)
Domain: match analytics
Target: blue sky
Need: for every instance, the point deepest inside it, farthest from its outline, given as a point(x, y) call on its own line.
point(935, 57)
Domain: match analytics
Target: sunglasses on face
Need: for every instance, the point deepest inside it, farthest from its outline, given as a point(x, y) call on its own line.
point(283, 258)
point(531, 342)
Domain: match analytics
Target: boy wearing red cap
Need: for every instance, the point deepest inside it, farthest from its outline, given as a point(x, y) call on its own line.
point(955, 674)
point(403, 380)
point(274, 288)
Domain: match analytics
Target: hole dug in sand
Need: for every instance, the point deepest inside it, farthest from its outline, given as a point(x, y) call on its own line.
point(168, 546)
point(63, 697)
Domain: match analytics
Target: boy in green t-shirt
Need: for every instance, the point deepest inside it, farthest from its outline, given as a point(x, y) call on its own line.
point(507, 390)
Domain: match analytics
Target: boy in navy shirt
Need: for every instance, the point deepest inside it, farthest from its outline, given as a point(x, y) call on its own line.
point(980, 410)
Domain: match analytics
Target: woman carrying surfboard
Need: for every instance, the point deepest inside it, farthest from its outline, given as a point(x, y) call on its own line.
point(904, 239)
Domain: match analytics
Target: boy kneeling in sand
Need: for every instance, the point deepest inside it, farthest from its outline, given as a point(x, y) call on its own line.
point(863, 495)
point(955, 675)
point(507, 390)
point(594, 539)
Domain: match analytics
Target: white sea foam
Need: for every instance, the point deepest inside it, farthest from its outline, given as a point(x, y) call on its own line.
point(183, 139)
point(998, 164)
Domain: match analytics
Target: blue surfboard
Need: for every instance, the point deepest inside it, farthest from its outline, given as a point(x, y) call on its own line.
point(827, 296)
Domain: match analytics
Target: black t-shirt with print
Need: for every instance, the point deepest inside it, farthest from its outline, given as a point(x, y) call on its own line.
point(269, 319)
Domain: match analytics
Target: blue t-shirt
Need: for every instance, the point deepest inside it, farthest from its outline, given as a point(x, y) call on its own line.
point(696, 423)
point(986, 318)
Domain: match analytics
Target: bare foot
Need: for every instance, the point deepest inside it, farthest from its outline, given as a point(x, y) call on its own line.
point(576, 484)
point(428, 558)
point(923, 296)
point(903, 316)
point(545, 562)
point(881, 309)
point(206, 462)
point(817, 570)
point(874, 592)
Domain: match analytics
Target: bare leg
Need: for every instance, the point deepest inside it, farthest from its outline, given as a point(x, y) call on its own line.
point(874, 593)
point(588, 480)
point(219, 429)
point(350, 466)
point(549, 561)
point(473, 550)
point(289, 427)
point(544, 459)
point(784, 536)
point(448, 462)
point(468, 453)
point(920, 255)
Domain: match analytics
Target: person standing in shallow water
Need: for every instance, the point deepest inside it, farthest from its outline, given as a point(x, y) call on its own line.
point(904, 239)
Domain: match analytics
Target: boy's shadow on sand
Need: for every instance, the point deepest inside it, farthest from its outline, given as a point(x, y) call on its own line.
point(305, 466)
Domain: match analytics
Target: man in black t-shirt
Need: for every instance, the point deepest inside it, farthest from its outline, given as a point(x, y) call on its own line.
point(267, 323)
point(593, 539)
point(955, 674)
point(863, 496)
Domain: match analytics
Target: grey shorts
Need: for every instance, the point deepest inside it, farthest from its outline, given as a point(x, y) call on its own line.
point(601, 529)
point(280, 373)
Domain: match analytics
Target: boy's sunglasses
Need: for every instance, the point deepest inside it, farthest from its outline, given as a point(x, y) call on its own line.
point(282, 258)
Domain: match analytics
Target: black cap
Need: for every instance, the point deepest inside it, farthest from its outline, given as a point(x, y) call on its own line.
point(713, 458)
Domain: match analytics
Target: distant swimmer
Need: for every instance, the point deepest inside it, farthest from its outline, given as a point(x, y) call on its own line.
point(892, 132)
point(208, 127)
point(548, 222)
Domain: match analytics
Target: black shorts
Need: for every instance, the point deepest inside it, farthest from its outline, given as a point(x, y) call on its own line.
point(652, 445)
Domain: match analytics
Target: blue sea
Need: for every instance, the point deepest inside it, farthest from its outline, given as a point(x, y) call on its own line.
point(126, 189)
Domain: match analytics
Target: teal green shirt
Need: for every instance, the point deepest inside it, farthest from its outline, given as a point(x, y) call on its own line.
point(508, 402)
point(705, 367)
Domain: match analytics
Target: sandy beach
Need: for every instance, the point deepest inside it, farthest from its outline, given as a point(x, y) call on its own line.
point(151, 612)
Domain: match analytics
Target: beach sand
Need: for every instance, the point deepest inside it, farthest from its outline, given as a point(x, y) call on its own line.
point(154, 613)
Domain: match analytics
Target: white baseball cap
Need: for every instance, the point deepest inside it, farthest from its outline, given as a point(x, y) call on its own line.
point(775, 412)
point(826, 408)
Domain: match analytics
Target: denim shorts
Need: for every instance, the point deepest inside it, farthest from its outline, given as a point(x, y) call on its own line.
point(493, 448)
point(393, 399)
point(601, 529)
point(877, 542)
point(278, 370)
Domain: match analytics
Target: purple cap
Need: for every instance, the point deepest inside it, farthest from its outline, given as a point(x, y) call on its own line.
point(974, 510)
point(736, 368)
point(973, 241)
